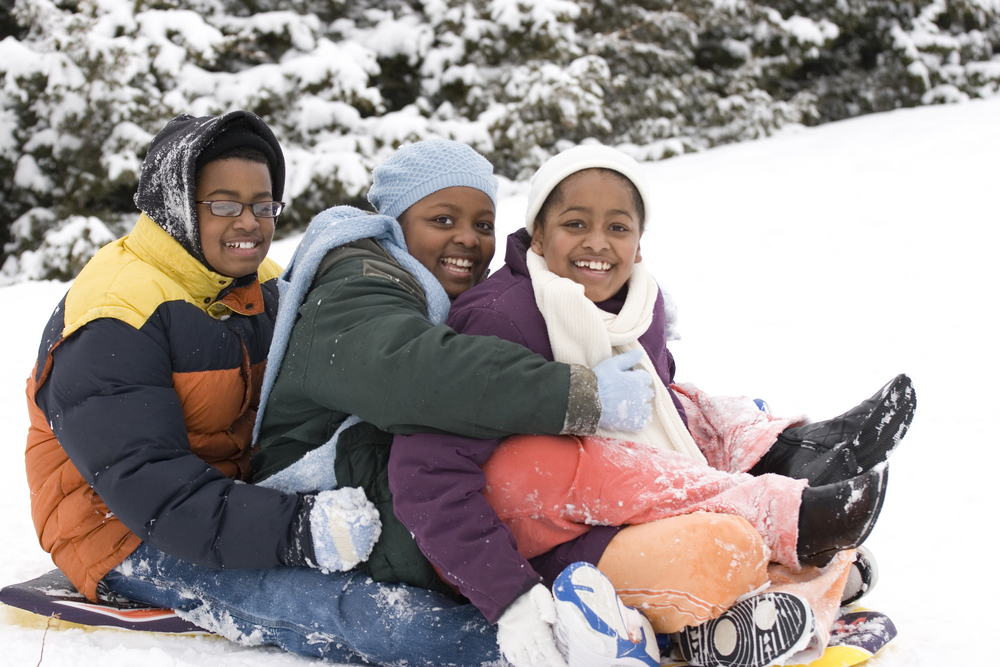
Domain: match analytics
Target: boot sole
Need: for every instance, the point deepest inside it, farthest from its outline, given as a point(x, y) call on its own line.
point(893, 416)
point(877, 438)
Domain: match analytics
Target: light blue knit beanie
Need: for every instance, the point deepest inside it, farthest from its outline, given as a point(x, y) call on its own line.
point(425, 167)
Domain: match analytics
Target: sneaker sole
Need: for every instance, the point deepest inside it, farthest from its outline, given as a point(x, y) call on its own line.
point(757, 632)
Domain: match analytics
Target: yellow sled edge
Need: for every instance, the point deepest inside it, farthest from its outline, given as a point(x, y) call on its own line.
point(839, 656)
point(834, 656)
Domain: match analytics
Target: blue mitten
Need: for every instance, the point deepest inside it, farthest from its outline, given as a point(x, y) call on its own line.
point(345, 526)
point(626, 393)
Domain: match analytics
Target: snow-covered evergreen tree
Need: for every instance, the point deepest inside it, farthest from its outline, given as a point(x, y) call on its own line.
point(85, 84)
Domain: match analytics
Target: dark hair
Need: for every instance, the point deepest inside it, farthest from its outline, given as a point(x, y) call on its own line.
point(556, 195)
point(241, 140)
point(245, 153)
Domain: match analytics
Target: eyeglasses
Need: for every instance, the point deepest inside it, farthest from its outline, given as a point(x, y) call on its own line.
point(234, 209)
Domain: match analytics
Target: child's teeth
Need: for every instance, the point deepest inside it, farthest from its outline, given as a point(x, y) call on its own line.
point(595, 266)
point(460, 263)
point(243, 245)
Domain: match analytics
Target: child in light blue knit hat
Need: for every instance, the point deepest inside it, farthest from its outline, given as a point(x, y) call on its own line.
point(444, 195)
point(361, 352)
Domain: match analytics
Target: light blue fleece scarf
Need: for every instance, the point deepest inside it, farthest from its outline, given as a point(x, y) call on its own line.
point(332, 228)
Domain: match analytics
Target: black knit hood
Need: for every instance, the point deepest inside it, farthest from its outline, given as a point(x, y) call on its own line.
point(167, 183)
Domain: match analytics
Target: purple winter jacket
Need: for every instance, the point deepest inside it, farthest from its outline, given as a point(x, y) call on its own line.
point(436, 480)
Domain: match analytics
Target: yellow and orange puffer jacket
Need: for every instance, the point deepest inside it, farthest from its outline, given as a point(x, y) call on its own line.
point(142, 404)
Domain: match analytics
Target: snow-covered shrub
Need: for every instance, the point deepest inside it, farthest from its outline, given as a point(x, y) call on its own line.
point(84, 84)
point(889, 54)
point(60, 253)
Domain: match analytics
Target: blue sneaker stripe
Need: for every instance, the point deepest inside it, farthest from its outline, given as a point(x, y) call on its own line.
point(600, 619)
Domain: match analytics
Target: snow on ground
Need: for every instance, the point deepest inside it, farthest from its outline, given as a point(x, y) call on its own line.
point(809, 269)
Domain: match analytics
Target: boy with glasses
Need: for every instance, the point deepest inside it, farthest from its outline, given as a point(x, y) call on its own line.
point(142, 406)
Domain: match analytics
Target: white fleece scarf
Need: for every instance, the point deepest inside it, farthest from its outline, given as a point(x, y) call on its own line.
point(582, 333)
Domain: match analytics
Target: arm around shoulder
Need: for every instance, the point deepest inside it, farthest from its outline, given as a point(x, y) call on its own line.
point(363, 345)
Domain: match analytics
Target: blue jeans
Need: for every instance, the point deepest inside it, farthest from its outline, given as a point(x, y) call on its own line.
point(342, 616)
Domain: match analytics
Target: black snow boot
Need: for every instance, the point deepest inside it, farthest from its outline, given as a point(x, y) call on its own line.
point(839, 516)
point(845, 446)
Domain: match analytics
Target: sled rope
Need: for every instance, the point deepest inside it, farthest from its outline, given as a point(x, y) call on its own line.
point(45, 633)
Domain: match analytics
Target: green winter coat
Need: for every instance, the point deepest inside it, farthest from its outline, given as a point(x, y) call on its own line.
point(362, 345)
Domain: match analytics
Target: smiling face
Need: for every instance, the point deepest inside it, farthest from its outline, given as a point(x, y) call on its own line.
point(234, 247)
point(451, 232)
point(590, 232)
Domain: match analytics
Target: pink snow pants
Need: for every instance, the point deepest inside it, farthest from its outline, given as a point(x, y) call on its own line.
point(697, 538)
point(551, 489)
point(731, 431)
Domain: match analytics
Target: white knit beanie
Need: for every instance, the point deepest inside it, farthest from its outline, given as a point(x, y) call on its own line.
point(423, 168)
point(592, 156)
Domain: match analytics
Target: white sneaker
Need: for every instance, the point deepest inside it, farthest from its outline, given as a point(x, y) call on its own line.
point(762, 630)
point(593, 626)
point(862, 577)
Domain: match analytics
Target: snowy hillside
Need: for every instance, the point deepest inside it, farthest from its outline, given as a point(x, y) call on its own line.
point(809, 268)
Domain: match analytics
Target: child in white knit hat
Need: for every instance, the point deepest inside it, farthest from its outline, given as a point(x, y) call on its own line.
point(566, 299)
